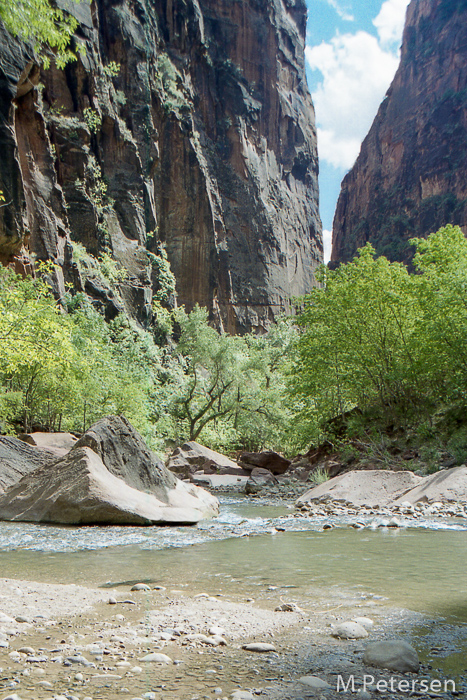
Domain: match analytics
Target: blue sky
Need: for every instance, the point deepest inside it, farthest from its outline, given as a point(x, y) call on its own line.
point(352, 54)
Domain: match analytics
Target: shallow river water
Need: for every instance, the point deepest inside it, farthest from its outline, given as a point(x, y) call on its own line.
point(422, 566)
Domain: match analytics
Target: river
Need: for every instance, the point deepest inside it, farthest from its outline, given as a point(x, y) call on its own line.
point(422, 566)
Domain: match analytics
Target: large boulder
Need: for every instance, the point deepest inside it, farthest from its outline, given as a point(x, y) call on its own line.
point(57, 443)
point(259, 479)
point(109, 476)
point(126, 455)
point(272, 461)
point(363, 488)
point(395, 655)
point(79, 490)
point(192, 457)
point(18, 458)
point(444, 486)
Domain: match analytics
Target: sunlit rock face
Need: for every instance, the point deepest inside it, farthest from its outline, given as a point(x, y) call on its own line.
point(410, 176)
point(190, 119)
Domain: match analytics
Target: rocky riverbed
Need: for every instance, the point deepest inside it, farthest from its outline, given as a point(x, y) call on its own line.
point(259, 573)
point(157, 643)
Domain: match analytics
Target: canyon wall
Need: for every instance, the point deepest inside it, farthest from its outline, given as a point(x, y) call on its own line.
point(411, 175)
point(186, 126)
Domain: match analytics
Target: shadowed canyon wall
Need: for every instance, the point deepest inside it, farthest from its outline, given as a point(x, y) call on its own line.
point(190, 119)
point(411, 175)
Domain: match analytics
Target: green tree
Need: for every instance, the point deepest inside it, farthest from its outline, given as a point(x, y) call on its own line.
point(34, 340)
point(357, 347)
point(211, 364)
point(442, 286)
point(229, 392)
point(48, 28)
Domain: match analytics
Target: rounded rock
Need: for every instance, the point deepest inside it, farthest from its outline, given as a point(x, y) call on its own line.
point(157, 658)
point(261, 647)
point(349, 630)
point(314, 682)
point(365, 622)
point(140, 587)
point(394, 655)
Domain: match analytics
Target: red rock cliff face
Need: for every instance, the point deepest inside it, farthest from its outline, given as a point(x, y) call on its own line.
point(411, 175)
point(203, 133)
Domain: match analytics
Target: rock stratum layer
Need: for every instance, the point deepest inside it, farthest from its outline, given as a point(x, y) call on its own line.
point(410, 176)
point(190, 119)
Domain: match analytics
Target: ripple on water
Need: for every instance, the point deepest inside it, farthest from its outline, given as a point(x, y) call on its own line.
point(238, 517)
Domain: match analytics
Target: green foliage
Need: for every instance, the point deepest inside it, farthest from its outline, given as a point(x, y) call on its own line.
point(93, 185)
point(165, 278)
point(92, 119)
point(63, 371)
point(319, 476)
point(390, 343)
point(110, 270)
point(112, 69)
point(171, 86)
point(230, 392)
point(356, 348)
point(48, 28)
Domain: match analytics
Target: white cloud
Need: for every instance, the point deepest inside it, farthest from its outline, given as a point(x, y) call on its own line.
point(341, 11)
point(356, 72)
point(327, 243)
point(390, 21)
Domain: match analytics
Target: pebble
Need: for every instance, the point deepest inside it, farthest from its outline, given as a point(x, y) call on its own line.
point(149, 696)
point(99, 677)
point(78, 659)
point(349, 630)
point(157, 658)
point(364, 622)
point(141, 587)
point(26, 650)
point(314, 682)
point(79, 677)
point(220, 631)
point(112, 601)
point(259, 646)
point(36, 659)
point(45, 684)
point(5, 619)
point(242, 695)
point(136, 669)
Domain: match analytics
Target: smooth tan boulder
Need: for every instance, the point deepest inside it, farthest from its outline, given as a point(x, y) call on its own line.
point(79, 490)
point(17, 458)
point(57, 443)
point(448, 485)
point(192, 457)
point(363, 488)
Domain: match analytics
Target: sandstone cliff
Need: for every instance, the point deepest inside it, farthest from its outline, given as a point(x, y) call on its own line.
point(190, 119)
point(411, 175)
